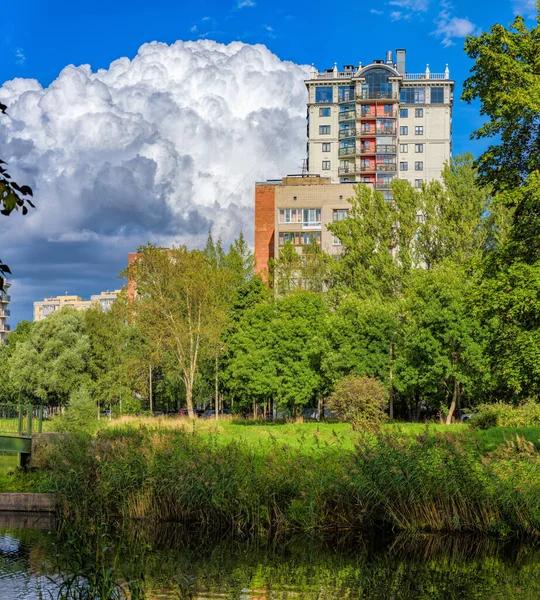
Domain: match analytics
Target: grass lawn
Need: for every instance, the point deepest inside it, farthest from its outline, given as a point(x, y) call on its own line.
point(309, 436)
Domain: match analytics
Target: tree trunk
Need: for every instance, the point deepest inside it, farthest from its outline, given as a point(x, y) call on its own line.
point(391, 395)
point(150, 386)
point(453, 403)
point(189, 399)
point(217, 387)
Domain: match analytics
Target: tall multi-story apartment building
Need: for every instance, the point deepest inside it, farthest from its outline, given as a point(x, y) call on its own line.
point(47, 306)
point(365, 124)
point(375, 122)
point(5, 299)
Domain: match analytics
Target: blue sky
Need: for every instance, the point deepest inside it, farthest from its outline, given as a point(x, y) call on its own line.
point(51, 253)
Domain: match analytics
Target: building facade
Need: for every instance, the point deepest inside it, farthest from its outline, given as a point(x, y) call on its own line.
point(374, 123)
point(364, 124)
point(5, 299)
point(297, 209)
point(44, 308)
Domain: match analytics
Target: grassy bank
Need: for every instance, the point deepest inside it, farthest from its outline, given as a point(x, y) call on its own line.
point(434, 482)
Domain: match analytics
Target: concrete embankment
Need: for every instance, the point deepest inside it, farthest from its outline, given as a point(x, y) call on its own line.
point(27, 502)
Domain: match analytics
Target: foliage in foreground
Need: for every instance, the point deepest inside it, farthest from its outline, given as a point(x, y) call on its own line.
point(361, 401)
point(429, 483)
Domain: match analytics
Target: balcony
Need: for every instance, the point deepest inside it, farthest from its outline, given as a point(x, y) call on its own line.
point(4, 328)
point(368, 150)
point(367, 168)
point(386, 149)
point(346, 133)
point(383, 185)
point(367, 133)
point(350, 170)
point(386, 167)
point(364, 95)
point(5, 313)
point(347, 115)
point(347, 151)
point(386, 131)
point(5, 297)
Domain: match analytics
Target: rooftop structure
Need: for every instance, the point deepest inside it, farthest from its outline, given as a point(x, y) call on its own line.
point(376, 122)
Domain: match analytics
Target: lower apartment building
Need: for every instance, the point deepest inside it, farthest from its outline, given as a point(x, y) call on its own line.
point(45, 307)
point(297, 209)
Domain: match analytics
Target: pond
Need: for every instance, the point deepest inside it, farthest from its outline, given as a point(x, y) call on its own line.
point(150, 562)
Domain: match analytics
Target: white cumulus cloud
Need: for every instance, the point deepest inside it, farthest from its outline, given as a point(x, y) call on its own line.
point(450, 27)
point(161, 148)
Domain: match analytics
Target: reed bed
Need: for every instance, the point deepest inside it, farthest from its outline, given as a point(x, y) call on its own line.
point(428, 483)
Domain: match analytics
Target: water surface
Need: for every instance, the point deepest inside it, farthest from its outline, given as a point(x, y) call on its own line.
point(170, 562)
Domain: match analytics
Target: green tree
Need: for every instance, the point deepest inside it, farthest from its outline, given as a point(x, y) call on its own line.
point(286, 270)
point(506, 80)
point(177, 307)
point(441, 345)
point(366, 265)
point(53, 360)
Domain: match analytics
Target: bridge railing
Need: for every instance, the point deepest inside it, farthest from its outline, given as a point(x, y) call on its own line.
point(20, 419)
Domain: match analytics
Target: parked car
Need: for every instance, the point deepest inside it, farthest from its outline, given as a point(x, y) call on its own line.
point(183, 412)
point(468, 416)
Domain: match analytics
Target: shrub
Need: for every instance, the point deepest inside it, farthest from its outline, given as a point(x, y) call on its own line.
point(81, 413)
point(361, 401)
point(506, 415)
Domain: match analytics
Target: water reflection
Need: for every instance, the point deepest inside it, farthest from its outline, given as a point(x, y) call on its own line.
point(170, 562)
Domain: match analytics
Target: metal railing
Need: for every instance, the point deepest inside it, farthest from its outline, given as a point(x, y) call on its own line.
point(5, 313)
point(20, 419)
point(386, 167)
point(5, 327)
point(367, 132)
point(347, 115)
point(383, 185)
point(347, 151)
point(5, 297)
point(345, 170)
point(423, 76)
point(366, 95)
point(345, 133)
point(389, 131)
point(386, 149)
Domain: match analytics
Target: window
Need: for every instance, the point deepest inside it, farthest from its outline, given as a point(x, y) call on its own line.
point(403, 113)
point(419, 148)
point(437, 95)
point(324, 112)
point(324, 129)
point(326, 165)
point(388, 109)
point(418, 112)
point(366, 110)
point(403, 130)
point(335, 241)
point(419, 165)
point(306, 216)
point(404, 148)
point(413, 95)
point(345, 93)
point(326, 147)
point(419, 130)
point(323, 94)
point(403, 166)
point(299, 238)
point(418, 183)
point(339, 214)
